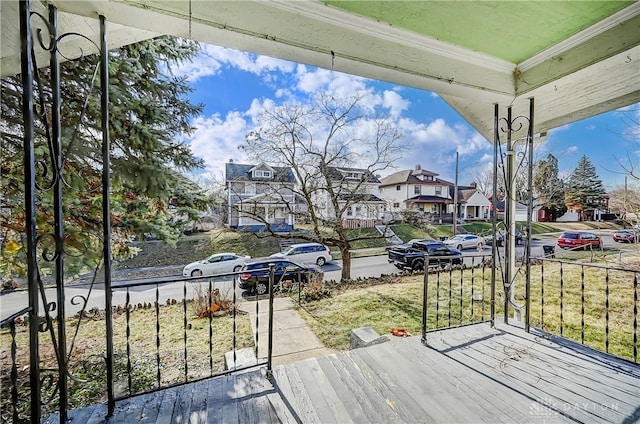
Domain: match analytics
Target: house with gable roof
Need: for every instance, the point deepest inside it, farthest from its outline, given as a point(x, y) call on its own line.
point(356, 190)
point(472, 203)
point(424, 193)
point(258, 195)
point(416, 190)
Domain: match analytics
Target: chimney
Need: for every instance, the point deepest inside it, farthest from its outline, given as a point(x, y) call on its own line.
point(230, 160)
point(418, 167)
point(474, 185)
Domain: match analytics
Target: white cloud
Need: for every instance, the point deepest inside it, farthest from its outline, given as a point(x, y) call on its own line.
point(570, 150)
point(395, 103)
point(213, 59)
point(216, 140)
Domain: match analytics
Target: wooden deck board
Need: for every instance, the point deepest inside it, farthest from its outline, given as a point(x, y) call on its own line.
point(347, 398)
point(472, 374)
point(483, 402)
point(368, 399)
point(317, 380)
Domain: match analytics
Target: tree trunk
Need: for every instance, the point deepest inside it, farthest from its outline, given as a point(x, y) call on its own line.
point(346, 263)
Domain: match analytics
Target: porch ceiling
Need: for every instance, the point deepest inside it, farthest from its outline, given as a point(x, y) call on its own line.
point(576, 58)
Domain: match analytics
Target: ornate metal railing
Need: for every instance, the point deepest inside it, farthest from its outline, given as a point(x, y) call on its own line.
point(47, 244)
point(13, 392)
point(168, 331)
point(211, 329)
point(593, 304)
point(457, 294)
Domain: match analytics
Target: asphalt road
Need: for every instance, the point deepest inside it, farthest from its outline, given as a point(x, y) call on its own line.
point(174, 287)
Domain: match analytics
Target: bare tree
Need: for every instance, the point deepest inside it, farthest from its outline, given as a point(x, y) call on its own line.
point(335, 149)
point(631, 163)
point(625, 203)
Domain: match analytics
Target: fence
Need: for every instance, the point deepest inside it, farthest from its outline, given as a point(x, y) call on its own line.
point(168, 331)
point(457, 294)
point(593, 304)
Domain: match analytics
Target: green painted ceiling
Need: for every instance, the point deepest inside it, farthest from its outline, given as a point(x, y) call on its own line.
point(546, 23)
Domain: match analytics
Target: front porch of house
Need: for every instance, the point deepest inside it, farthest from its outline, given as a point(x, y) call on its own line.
point(472, 373)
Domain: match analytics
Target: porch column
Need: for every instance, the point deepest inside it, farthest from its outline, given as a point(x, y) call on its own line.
point(26, 45)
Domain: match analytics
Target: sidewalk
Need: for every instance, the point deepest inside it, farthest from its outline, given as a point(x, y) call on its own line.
point(293, 340)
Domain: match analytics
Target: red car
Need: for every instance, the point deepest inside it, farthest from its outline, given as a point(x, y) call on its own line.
point(628, 236)
point(578, 240)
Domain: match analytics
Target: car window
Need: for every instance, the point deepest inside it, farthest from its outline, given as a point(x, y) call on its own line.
point(215, 259)
point(569, 236)
point(291, 267)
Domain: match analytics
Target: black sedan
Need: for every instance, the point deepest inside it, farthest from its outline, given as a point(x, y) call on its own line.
point(255, 274)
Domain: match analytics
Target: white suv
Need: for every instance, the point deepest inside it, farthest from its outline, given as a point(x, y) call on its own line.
point(306, 253)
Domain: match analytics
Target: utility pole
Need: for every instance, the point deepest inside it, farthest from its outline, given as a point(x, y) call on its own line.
point(455, 199)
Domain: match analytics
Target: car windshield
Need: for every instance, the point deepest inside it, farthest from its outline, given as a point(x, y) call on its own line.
point(457, 238)
point(569, 235)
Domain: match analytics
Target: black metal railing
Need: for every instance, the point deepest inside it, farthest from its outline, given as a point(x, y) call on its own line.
point(211, 325)
point(457, 292)
point(593, 304)
point(17, 409)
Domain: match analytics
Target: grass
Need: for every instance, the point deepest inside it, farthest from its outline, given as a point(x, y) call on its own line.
point(407, 232)
point(87, 363)
point(400, 305)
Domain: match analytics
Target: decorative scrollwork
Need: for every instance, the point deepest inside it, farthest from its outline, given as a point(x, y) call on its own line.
point(48, 254)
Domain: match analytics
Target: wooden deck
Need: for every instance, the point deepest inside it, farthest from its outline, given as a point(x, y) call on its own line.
point(472, 374)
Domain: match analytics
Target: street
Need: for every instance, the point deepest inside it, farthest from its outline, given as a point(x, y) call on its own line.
point(369, 266)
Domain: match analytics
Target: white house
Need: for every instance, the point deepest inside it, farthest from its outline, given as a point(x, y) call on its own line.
point(472, 203)
point(260, 194)
point(356, 191)
point(416, 190)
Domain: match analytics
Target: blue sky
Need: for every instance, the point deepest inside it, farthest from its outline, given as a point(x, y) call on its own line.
point(235, 87)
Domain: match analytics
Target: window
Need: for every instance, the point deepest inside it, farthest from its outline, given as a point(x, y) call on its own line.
point(416, 189)
point(261, 174)
point(397, 188)
point(349, 211)
point(396, 205)
point(438, 190)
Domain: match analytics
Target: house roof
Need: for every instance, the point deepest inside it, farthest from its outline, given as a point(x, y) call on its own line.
point(410, 176)
point(338, 173)
point(465, 194)
point(361, 198)
point(242, 172)
point(576, 59)
point(428, 199)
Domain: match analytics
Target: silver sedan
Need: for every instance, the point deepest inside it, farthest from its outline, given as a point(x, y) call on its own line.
point(465, 241)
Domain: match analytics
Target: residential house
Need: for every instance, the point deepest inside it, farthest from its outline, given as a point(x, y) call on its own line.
point(472, 203)
point(258, 195)
point(356, 191)
point(416, 190)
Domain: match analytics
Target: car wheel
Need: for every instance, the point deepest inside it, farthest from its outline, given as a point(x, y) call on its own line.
point(262, 288)
point(321, 261)
point(196, 273)
point(459, 247)
point(237, 268)
point(417, 266)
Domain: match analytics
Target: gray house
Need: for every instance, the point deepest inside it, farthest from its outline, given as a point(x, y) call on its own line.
point(258, 195)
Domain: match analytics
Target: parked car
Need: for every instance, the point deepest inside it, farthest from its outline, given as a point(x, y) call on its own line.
point(410, 243)
point(579, 239)
point(627, 236)
point(255, 274)
point(500, 238)
point(465, 241)
point(306, 253)
point(413, 258)
point(220, 263)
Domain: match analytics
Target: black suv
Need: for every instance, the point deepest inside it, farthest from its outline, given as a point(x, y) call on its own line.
point(255, 274)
